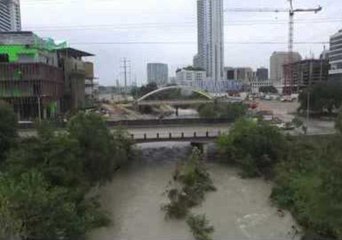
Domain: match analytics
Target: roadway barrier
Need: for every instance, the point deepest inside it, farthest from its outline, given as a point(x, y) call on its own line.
point(146, 122)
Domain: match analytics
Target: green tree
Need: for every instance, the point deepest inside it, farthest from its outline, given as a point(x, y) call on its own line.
point(231, 111)
point(324, 97)
point(35, 209)
point(8, 129)
point(256, 147)
point(100, 151)
point(191, 182)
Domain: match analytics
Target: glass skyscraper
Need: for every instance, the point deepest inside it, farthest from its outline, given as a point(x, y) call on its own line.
point(210, 56)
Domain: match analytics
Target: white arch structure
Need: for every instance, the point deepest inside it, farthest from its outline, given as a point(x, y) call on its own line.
point(175, 87)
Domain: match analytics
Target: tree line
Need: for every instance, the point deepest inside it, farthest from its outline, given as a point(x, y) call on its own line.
point(45, 180)
point(306, 171)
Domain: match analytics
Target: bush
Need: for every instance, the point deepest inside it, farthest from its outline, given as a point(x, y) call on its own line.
point(8, 129)
point(255, 147)
point(222, 110)
point(200, 227)
point(194, 182)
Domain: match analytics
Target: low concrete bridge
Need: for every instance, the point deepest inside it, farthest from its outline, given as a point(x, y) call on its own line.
point(195, 137)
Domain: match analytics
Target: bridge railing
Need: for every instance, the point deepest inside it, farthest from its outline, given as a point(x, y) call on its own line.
point(176, 136)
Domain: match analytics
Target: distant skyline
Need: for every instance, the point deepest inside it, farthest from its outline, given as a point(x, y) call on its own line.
point(117, 29)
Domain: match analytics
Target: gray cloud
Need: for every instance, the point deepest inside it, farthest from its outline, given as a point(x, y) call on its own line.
point(90, 21)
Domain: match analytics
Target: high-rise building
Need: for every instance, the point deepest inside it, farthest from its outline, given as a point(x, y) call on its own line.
point(277, 61)
point(262, 74)
point(10, 19)
point(210, 56)
point(157, 73)
point(335, 57)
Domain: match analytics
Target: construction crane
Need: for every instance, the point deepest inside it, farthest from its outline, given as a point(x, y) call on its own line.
point(288, 75)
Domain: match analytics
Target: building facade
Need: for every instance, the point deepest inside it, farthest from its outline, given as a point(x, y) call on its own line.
point(243, 74)
point(210, 21)
point(157, 73)
point(335, 57)
point(308, 72)
point(186, 76)
point(262, 74)
point(38, 78)
point(277, 61)
point(10, 18)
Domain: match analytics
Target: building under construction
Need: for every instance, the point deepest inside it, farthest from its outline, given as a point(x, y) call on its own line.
point(306, 73)
point(39, 78)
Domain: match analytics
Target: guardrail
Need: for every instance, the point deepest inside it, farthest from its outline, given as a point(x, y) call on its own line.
point(176, 137)
point(146, 122)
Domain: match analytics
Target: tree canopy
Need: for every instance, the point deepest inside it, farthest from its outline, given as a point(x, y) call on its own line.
point(8, 129)
point(45, 180)
point(324, 98)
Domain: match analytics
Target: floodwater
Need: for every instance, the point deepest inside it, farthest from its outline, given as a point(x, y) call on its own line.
point(239, 210)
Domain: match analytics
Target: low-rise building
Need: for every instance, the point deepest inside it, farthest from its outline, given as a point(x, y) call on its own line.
point(189, 75)
point(38, 77)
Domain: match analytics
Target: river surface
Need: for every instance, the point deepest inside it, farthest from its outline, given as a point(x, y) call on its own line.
point(239, 210)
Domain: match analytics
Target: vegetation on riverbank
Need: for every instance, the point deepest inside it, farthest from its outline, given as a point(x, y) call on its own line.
point(200, 227)
point(191, 181)
point(45, 180)
point(307, 172)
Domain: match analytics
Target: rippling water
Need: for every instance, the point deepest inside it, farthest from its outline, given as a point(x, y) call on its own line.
point(239, 210)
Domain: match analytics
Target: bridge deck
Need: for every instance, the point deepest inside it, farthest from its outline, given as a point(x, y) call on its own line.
point(195, 137)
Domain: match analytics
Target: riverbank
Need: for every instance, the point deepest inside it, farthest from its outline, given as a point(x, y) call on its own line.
point(240, 208)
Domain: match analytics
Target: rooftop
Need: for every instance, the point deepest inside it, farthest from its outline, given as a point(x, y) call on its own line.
point(74, 52)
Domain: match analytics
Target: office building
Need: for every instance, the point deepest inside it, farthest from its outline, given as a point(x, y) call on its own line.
point(210, 56)
point(10, 19)
point(335, 57)
point(186, 76)
point(307, 72)
point(262, 74)
point(157, 73)
point(277, 61)
point(243, 74)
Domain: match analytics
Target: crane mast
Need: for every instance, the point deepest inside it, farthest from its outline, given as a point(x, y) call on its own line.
point(288, 80)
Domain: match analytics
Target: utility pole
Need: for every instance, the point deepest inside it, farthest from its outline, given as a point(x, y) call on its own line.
point(126, 68)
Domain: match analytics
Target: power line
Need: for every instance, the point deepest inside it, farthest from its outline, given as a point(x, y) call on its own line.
point(178, 24)
point(192, 42)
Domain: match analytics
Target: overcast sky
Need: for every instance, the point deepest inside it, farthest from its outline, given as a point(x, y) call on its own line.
point(108, 28)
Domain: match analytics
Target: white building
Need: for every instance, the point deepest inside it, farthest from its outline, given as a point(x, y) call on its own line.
point(10, 19)
point(335, 57)
point(277, 61)
point(157, 73)
point(210, 56)
point(189, 76)
point(257, 84)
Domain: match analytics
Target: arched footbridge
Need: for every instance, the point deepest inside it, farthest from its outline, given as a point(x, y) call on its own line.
point(144, 101)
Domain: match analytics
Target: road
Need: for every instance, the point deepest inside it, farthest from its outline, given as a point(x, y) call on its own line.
point(316, 127)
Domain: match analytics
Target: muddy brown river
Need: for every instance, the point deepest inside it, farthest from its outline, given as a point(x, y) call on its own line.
point(239, 210)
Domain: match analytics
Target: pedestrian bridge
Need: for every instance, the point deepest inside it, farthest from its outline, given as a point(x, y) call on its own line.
point(144, 100)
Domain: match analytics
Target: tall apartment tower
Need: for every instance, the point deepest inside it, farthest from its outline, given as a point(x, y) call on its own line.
point(10, 19)
point(210, 56)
